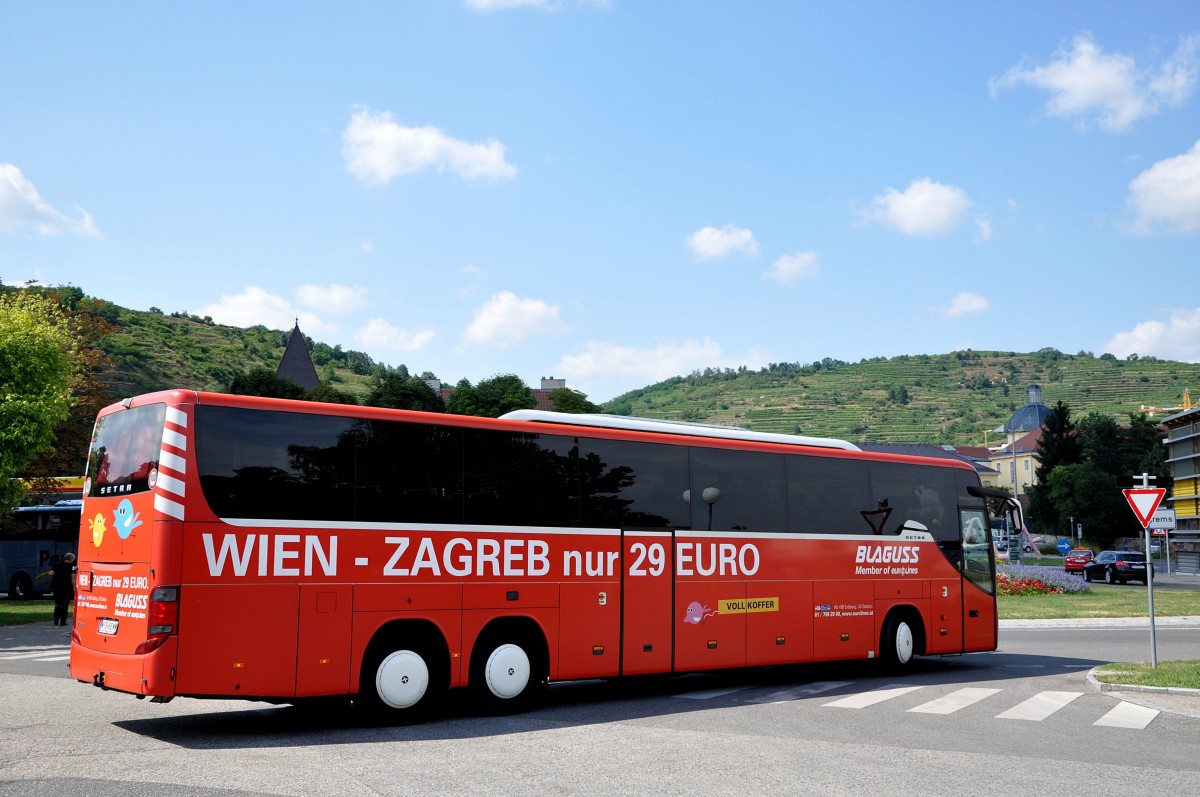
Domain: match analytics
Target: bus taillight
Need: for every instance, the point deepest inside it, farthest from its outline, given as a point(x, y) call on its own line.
point(163, 618)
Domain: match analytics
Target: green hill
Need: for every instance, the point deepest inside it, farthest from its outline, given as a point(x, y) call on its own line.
point(935, 398)
point(944, 399)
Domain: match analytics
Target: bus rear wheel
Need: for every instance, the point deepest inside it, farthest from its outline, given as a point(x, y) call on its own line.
point(898, 643)
point(509, 673)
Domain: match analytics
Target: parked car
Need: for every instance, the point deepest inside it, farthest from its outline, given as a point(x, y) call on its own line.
point(1076, 559)
point(1117, 567)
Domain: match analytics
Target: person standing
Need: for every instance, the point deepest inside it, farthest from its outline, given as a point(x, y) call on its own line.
point(62, 584)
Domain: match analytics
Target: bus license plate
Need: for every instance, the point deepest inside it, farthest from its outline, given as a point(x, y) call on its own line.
point(108, 625)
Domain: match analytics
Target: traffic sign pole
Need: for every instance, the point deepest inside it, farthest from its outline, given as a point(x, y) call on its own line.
point(1144, 502)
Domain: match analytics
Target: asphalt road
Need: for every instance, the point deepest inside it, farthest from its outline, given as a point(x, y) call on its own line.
point(1023, 719)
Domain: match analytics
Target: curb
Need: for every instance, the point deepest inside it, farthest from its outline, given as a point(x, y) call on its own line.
point(1163, 692)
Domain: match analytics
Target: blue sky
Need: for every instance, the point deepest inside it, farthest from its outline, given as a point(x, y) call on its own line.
point(616, 192)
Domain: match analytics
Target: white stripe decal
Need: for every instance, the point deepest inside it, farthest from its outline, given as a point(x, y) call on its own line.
point(168, 507)
point(177, 417)
point(175, 439)
point(173, 461)
point(170, 484)
point(269, 523)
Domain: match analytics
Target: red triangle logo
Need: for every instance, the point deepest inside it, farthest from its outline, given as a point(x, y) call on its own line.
point(1144, 501)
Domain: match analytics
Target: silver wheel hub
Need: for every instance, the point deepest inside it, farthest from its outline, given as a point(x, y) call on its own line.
point(402, 679)
point(507, 671)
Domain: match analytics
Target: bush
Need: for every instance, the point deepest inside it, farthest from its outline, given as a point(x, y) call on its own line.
point(1033, 580)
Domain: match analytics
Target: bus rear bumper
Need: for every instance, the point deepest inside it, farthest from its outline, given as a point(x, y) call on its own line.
point(142, 675)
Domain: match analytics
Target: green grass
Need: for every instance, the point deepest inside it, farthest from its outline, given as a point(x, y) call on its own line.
point(19, 612)
point(1184, 674)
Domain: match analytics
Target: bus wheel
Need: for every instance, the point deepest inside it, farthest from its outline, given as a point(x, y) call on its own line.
point(20, 587)
point(898, 643)
point(402, 682)
point(508, 673)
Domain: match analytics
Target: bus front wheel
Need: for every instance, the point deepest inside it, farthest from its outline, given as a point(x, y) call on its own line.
point(20, 586)
point(402, 681)
point(898, 643)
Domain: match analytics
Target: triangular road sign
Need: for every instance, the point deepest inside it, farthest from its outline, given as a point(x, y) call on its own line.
point(1144, 501)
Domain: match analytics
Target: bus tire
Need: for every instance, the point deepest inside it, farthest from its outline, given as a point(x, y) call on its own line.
point(20, 586)
point(403, 678)
point(898, 642)
point(509, 669)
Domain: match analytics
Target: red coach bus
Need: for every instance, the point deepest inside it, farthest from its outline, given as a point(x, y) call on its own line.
point(280, 550)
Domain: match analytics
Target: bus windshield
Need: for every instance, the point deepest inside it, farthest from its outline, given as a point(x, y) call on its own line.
point(125, 451)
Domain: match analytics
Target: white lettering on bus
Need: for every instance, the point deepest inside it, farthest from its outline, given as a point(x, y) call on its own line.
point(711, 558)
point(273, 558)
point(460, 557)
point(889, 554)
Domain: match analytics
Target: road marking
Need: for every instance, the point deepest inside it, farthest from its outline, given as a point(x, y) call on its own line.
point(864, 699)
point(67, 657)
point(1128, 715)
point(788, 695)
point(948, 704)
point(1040, 706)
point(708, 694)
point(34, 654)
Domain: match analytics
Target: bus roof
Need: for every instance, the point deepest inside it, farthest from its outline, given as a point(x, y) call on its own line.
point(674, 427)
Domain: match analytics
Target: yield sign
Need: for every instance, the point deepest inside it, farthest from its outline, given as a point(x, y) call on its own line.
point(1144, 501)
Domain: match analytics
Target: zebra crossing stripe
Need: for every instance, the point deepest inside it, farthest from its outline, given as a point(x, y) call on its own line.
point(948, 704)
point(1128, 715)
point(864, 699)
point(34, 654)
point(711, 693)
point(1040, 706)
point(809, 690)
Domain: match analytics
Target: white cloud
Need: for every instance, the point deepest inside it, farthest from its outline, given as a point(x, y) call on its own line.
point(789, 268)
point(1086, 83)
point(507, 319)
point(332, 298)
point(983, 228)
point(966, 304)
point(1175, 339)
point(709, 243)
point(22, 207)
point(377, 149)
point(255, 306)
point(380, 334)
point(925, 208)
point(1167, 195)
point(615, 364)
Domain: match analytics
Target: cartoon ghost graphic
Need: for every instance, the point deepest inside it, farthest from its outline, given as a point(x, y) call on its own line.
point(697, 613)
point(96, 525)
point(125, 519)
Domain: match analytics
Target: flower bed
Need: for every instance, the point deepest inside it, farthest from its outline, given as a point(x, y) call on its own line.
point(1031, 580)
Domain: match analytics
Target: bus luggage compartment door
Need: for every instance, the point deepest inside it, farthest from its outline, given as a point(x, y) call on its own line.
point(647, 604)
point(237, 640)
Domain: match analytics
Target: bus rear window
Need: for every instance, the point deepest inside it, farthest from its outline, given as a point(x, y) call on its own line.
point(125, 451)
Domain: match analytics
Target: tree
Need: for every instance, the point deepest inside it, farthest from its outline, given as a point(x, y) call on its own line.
point(492, 398)
point(399, 391)
point(330, 395)
point(1059, 445)
point(89, 324)
point(39, 367)
point(1090, 495)
point(262, 381)
point(567, 400)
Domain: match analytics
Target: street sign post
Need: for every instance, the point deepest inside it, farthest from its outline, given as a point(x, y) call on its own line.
point(1144, 502)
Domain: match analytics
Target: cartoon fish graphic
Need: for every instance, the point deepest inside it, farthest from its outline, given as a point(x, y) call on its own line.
point(125, 519)
point(697, 613)
point(96, 525)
